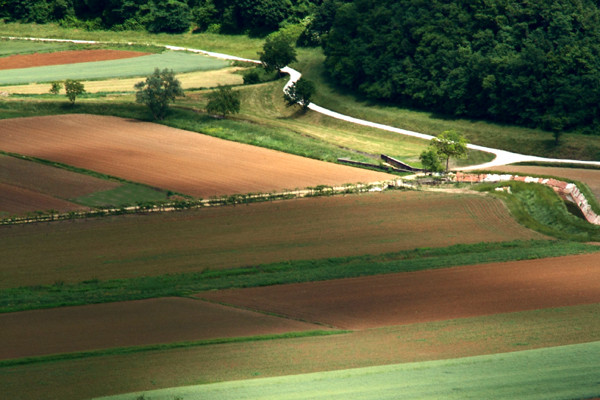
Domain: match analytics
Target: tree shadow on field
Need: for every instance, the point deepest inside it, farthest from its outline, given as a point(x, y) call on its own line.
point(299, 112)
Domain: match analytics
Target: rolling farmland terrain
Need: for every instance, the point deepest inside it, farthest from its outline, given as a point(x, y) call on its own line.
point(373, 294)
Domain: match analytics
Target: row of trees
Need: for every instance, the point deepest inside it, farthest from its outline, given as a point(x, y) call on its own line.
point(175, 16)
point(534, 62)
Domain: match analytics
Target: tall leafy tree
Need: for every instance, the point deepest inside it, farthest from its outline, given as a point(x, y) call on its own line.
point(73, 88)
point(449, 144)
point(157, 91)
point(300, 92)
point(278, 51)
point(223, 101)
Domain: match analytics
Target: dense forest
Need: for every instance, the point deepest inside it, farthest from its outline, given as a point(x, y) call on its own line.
point(174, 16)
point(529, 62)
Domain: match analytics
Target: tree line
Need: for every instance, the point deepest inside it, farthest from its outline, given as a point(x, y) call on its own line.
point(529, 62)
point(172, 16)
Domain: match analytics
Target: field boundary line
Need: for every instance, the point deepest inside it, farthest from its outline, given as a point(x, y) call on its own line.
point(226, 200)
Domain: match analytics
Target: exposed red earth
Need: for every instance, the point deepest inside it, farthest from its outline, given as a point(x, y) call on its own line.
point(64, 57)
point(169, 158)
point(590, 177)
point(133, 323)
point(408, 298)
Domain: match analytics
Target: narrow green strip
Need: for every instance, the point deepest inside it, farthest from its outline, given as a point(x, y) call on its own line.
point(96, 291)
point(161, 347)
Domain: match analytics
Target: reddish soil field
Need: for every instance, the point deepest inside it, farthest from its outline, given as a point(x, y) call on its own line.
point(443, 294)
point(169, 158)
point(64, 57)
point(50, 180)
point(98, 376)
point(590, 177)
point(226, 237)
point(134, 323)
point(17, 201)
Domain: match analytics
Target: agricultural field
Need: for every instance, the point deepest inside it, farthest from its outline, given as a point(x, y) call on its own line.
point(189, 80)
point(167, 158)
point(228, 237)
point(372, 295)
point(64, 57)
point(120, 68)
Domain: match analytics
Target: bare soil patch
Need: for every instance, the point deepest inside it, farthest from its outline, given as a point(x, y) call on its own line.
point(65, 57)
point(169, 158)
point(50, 180)
point(18, 201)
point(590, 177)
point(135, 323)
point(407, 298)
point(260, 233)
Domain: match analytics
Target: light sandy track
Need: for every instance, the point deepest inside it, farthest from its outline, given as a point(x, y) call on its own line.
point(502, 157)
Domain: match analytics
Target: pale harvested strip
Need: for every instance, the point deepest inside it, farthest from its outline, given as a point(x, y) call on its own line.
point(16, 201)
point(190, 80)
point(134, 323)
point(432, 295)
point(566, 372)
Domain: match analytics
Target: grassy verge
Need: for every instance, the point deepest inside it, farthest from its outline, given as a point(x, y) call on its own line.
point(239, 45)
point(539, 208)
point(22, 47)
point(96, 291)
point(162, 347)
point(506, 137)
point(565, 372)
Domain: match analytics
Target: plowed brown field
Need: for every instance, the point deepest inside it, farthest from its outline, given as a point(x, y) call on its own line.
point(406, 298)
point(15, 201)
point(590, 177)
point(50, 180)
point(226, 237)
point(169, 158)
point(64, 57)
point(134, 323)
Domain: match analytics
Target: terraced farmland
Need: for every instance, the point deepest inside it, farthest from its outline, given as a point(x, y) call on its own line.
point(130, 348)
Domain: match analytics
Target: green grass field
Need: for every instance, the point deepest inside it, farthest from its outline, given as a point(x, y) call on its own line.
point(124, 195)
point(566, 372)
point(128, 67)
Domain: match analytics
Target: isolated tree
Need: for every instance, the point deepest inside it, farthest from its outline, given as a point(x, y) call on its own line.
point(450, 144)
point(56, 86)
point(431, 161)
point(73, 88)
point(278, 51)
point(223, 101)
point(299, 93)
point(157, 91)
